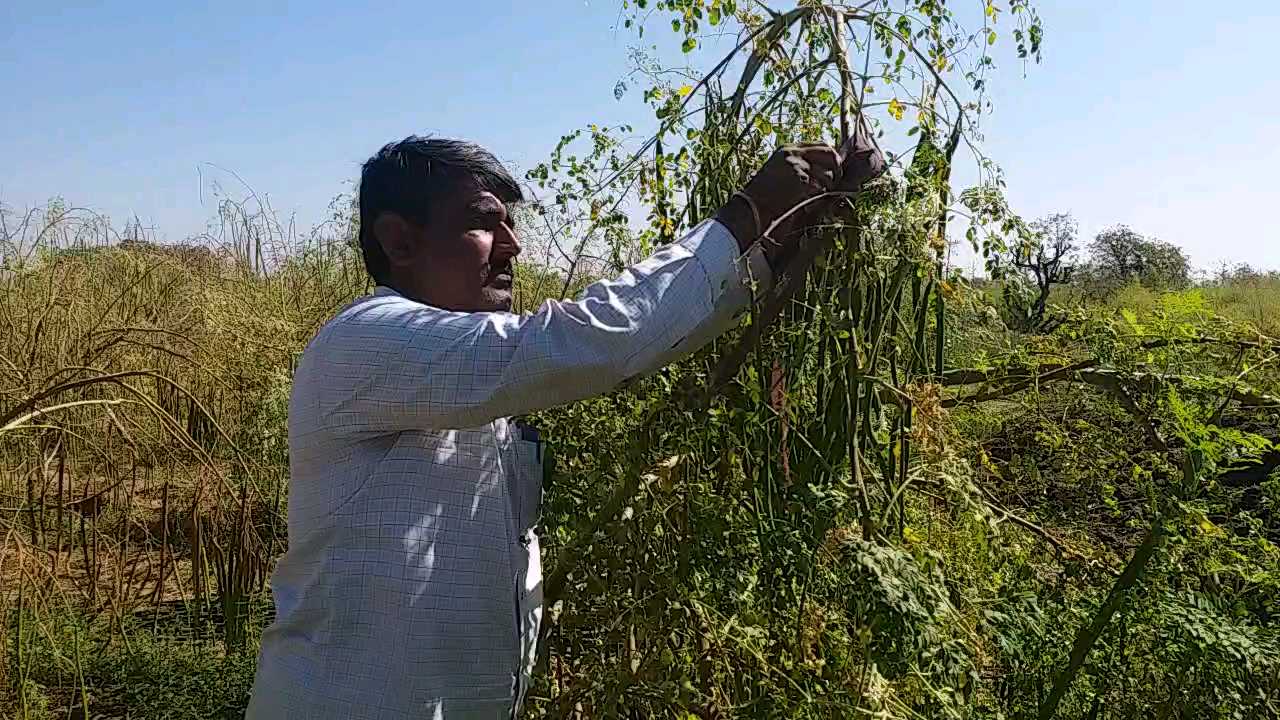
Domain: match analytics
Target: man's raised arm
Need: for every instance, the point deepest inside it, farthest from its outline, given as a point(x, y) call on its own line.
point(438, 369)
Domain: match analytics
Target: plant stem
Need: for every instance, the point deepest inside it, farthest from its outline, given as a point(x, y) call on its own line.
point(1089, 635)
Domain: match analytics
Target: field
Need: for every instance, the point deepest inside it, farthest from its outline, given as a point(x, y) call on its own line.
point(143, 504)
point(889, 494)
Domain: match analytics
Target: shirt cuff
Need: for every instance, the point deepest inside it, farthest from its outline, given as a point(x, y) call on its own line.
point(735, 277)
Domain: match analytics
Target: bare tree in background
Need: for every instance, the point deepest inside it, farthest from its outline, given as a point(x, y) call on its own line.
point(1049, 261)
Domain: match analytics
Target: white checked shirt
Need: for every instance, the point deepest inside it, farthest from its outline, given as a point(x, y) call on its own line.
point(412, 586)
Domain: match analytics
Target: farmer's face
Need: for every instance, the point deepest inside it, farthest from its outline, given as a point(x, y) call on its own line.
point(462, 258)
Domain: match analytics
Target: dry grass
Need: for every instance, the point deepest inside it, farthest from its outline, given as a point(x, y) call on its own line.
point(143, 399)
point(143, 390)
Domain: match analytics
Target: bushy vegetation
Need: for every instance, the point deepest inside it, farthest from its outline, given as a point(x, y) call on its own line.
point(892, 493)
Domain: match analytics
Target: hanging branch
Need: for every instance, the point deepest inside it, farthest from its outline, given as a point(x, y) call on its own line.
point(779, 23)
point(767, 312)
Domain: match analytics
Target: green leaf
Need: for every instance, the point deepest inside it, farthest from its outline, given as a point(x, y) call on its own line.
point(689, 44)
point(1132, 318)
point(991, 37)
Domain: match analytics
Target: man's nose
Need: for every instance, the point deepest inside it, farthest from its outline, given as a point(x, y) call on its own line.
point(506, 241)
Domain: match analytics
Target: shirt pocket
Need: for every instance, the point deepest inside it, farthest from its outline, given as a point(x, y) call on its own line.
point(527, 485)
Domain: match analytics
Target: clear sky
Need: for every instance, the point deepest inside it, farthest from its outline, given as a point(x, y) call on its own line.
point(1162, 114)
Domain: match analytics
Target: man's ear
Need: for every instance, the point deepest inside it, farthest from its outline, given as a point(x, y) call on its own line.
point(397, 238)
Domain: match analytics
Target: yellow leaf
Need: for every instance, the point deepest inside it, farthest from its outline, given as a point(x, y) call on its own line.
point(895, 109)
point(1207, 527)
point(665, 471)
point(990, 466)
point(684, 90)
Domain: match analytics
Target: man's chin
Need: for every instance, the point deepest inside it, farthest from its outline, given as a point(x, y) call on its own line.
point(496, 300)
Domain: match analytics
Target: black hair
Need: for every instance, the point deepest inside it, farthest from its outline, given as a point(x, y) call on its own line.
point(404, 177)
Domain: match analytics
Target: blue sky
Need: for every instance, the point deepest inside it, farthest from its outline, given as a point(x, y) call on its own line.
point(1162, 114)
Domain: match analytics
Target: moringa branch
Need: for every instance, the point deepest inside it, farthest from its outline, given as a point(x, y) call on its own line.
point(1006, 384)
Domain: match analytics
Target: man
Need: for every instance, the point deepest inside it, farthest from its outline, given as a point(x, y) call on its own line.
point(412, 584)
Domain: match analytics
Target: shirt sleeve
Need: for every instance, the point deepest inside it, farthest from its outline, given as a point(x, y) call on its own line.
point(412, 366)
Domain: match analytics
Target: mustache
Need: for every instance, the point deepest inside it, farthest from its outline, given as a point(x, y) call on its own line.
point(505, 267)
